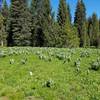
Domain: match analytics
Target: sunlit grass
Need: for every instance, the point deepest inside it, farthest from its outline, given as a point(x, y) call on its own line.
point(47, 74)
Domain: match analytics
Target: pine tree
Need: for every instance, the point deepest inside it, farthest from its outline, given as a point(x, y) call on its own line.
point(62, 10)
point(70, 37)
point(33, 7)
point(85, 36)
point(80, 19)
point(26, 25)
point(99, 35)
point(41, 22)
point(69, 12)
point(5, 9)
point(62, 21)
point(3, 34)
point(5, 13)
point(68, 33)
point(48, 27)
point(95, 31)
point(37, 15)
point(19, 23)
point(90, 30)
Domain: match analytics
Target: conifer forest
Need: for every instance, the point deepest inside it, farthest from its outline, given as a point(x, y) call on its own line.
point(36, 25)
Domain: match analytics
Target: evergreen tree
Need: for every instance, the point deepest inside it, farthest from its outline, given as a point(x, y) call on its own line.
point(99, 35)
point(80, 19)
point(5, 9)
point(70, 37)
point(62, 13)
point(5, 13)
point(68, 33)
point(19, 23)
point(85, 37)
point(33, 7)
point(48, 27)
point(99, 24)
point(69, 12)
point(3, 34)
point(90, 30)
point(37, 15)
point(41, 22)
point(95, 31)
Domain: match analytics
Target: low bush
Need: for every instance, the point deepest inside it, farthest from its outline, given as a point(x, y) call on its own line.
point(95, 65)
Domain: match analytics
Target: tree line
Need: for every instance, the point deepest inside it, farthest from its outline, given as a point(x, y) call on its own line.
point(34, 24)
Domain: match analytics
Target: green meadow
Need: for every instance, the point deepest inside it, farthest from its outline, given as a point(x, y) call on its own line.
point(49, 74)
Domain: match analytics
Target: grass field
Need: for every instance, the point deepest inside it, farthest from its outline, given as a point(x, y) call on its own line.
point(49, 74)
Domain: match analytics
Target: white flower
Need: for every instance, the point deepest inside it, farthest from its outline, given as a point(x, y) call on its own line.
point(31, 73)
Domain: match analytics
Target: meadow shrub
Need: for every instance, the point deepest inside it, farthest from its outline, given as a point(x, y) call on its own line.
point(85, 54)
point(95, 65)
point(49, 83)
point(23, 61)
point(12, 61)
point(77, 63)
point(2, 54)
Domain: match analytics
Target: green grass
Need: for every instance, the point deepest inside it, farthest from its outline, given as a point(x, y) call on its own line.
point(52, 78)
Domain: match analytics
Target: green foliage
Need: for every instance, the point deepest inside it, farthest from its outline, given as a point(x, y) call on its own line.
point(95, 65)
point(19, 23)
point(47, 80)
point(71, 39)
point(62, 11)
point(79, 21)
point(95, 32)
point(68, 36)
point(33, 23)
point(5, 12)
point(42, 22)
point(85, 40)
point(90, 30)
point(69, 12)
point(3, 34)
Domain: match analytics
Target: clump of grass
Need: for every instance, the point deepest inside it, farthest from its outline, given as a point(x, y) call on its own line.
point(11, 61)
point(77, 64)
point(49, 83)
point(85, 54)
point(2, 54)
point(24, 61)
point(95, 65)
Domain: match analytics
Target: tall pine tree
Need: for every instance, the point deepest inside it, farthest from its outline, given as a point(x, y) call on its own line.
point(5, 13)
point(62, 10)
point(95, 30)
point(80, 21)
point(70, 30)
point(68, 33)
point(90, 30)
point(41, 13)
point(19, 24)
point(69, 12)
point(5, 9)
point(3, 34)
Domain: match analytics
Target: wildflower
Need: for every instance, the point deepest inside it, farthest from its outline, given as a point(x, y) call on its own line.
point(31, 73)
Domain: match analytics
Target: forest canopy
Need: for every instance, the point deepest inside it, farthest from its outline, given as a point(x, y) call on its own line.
point(36, 26)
